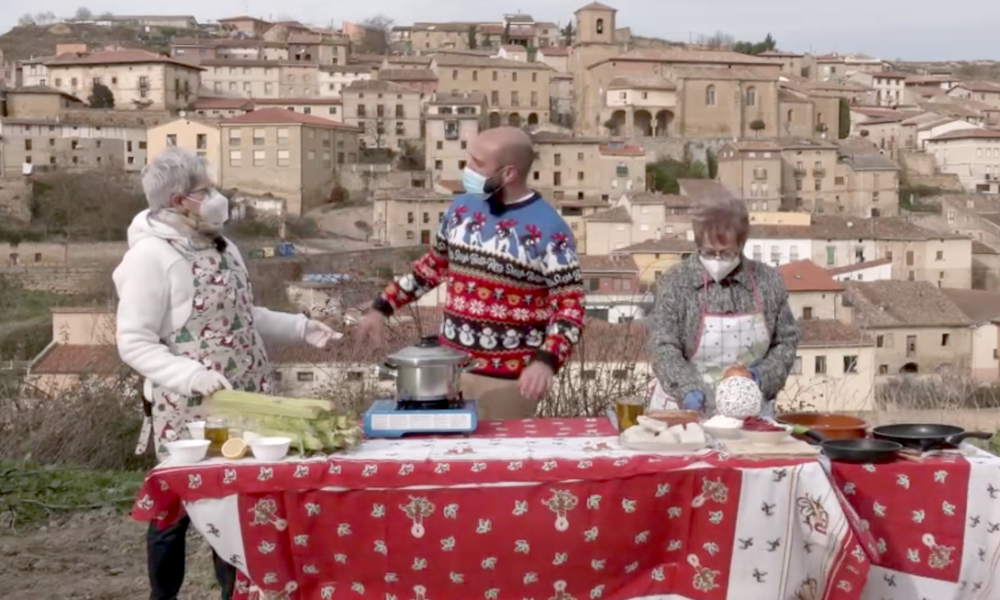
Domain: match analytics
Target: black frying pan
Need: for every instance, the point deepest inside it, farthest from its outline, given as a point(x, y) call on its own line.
point(925, 437)
point(859, 451)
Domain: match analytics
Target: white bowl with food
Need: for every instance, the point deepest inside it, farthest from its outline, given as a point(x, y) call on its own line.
point(721, 427)
point(270, 448)
point(187, 451)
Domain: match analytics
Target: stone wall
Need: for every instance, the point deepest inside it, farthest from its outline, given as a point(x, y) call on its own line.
point(918, 163)
point(361, 181)
point(15, 198)
point(72, 281)
point(73, 254)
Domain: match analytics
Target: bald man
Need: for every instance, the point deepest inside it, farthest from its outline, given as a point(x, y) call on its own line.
point(514, 293)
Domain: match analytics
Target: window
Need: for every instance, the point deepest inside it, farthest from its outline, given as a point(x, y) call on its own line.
point(807, 313)
point(304, 376)
point(461, 165)
point(235, 158)
point(909, 258)
point(513, 76)
point(400, 128)
point(579, 177)
point(494, 75)
point(850, 364)
point(494, 97)
point(284, 158)
point(797, 366)
point(599, 26)
point(439, 165)
point(557, 160)
point(621, 170)
point(259, 158)
point(758, 252)
point(710, 95)
point(939, 255)
point(945, 338)
point(426, 217)
point(27, 144)
point(475, 75)
point(515, 99)
point(819, 365)
point(793, 253)
point(361, 110)
point(911, 345)
point(831, 255)
point(776, 254)
point(557, 178)
point(234, 137)
point(400, 113)
point(409, 218)
point(171, 139)
point(283, 136)
point(751, 96)
point(818, 185)
point(534, 98)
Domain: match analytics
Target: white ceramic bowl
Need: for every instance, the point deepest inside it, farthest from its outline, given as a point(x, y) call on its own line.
point(765, 438)
point(196, 429)
point(723, 433)
point(270, 448)
point(187, 451)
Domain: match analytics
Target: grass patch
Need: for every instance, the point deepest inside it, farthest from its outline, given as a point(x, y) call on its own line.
point(32, 493)
point(18, 304)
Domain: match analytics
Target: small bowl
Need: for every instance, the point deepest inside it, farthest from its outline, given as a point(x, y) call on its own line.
point(723, 433)
point(196, 429)
point(765, 438)
point(675, 417)
point(187, 451)
point(270, 448)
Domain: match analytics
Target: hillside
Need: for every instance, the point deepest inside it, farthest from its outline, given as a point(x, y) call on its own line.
point(986, 70)
point(23, 42)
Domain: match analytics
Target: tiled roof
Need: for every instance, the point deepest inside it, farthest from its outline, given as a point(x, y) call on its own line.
point(556, 137)
point(596, 6)
point(280, 116)
point(582, 203)
point(42, 90)
point(590, 263)
point(860, 266)
point(78, 359)
point(976, 203)
point(96, 117)
point(831, 227)
point(643, 82)
point(240, 18)
point(981, 248)
point(656, 198)
point(618, 214)
point(407, 75)
point(704, 189)
point(755, 146)
point(979, 305)
point(892, 303)
point(376, 85)
point(807, 276)
point(968, 134)
point(618, 149)
point(222, 104)
point(660, 246)
point(116, 57)
point(676, 55)
point(467, 98)
point(871, 162)
point(793, 143)
point(780, 54)
point(358, 69)
point(310, 101)
point(455, 26)
point(980, 86)
point(485, 62)
point(555, 51)
point(830, 333)
point(727, 74)
point(514, 48)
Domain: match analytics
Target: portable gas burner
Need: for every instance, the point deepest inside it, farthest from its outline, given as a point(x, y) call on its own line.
point(389, 418)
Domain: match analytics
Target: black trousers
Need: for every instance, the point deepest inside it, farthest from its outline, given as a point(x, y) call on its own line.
point(165, 553)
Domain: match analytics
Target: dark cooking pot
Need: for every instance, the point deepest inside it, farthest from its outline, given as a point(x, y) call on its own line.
point(427, 372)
point(833, 426)
point(927, 436)
point(855, 451)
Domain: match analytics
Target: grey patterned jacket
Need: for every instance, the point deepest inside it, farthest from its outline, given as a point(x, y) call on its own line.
point(676, 320)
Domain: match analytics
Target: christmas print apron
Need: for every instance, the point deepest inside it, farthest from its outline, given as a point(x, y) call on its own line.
point(723, 340)
point(219, 334)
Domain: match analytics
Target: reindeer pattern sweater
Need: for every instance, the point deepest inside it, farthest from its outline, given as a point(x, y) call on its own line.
point(514, 290)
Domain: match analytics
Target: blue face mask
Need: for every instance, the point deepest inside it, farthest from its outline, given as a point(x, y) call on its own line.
point(473, 182)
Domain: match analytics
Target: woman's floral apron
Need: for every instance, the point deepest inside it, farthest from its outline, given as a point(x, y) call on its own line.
point(219, 334)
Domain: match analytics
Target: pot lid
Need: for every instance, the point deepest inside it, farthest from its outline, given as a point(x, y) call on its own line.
point(428, 352)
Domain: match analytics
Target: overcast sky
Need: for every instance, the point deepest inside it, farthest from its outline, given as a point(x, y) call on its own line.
point(909, 29)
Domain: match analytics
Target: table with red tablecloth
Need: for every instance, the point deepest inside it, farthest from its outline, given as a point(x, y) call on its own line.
point(930, 528)
point(544, 509)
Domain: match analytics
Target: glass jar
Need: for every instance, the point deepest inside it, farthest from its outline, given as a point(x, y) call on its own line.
point(216, 432)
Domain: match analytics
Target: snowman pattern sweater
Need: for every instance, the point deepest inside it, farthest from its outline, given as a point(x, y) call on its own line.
point(514, 290)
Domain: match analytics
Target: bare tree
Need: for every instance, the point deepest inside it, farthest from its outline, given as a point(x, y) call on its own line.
point(45, 18)
point(26, 19)
point(376, 36)
point(83, 14)
point(717, 40)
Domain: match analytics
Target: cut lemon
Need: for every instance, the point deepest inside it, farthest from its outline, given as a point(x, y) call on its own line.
point(234, 448)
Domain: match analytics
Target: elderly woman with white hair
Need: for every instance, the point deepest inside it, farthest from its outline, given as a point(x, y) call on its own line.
point(187, 323)
point(720, 314)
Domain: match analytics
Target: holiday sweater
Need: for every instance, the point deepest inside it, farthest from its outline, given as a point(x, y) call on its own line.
point(514, 289)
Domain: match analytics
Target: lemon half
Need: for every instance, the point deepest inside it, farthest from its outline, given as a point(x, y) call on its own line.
point(234, 448)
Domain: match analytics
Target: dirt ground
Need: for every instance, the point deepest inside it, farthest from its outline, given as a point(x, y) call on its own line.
point(91, 556)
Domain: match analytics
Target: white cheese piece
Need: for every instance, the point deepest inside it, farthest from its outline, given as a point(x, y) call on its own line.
point(637, 434)
point(651, 424)
point(693, 434)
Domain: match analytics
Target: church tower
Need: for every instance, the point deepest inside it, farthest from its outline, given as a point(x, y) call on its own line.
point(595, 24)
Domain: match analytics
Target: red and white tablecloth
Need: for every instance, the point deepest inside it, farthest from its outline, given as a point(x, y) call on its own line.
point(562, 517)
point(932, 529)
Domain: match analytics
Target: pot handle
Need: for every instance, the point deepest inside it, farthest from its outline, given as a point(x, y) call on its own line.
point(387, 370)
point(813, 435)
point(958, 438)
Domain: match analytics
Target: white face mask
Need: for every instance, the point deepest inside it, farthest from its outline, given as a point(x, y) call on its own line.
point(214, 209)
point(718, 269)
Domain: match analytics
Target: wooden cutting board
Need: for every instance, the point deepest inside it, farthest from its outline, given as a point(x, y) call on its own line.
point(790, 447)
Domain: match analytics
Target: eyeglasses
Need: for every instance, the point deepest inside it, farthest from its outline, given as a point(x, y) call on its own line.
point(719, 255)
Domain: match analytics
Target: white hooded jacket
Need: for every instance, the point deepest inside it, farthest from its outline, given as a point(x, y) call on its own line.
point(155, 293)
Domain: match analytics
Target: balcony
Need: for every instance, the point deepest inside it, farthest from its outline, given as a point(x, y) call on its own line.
point(819, 171)
point(800, 170)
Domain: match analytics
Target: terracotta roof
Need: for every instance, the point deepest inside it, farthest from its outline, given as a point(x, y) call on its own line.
point(981, 248)
point(280, 116)
point(596, 6)
point(467, 98)
point(490, 29)
point(677, 55)
point(647, 82)
point(456, 26)
point(704, 189)
point(755, 146)
point(353, 69)
point(618, 214)
point(830, 333)
point(407, 75)
point(807, 276)
point(514, 48)
point(617, 149)
point(660, 246)
point(591, 263)
point(893, 304)
point(793, 143)
point(556, 137)
point(727, 74)
point(72, 359)
point(979, 305)
point(656, 198)
point(98, 117)
point(376, 85)
point(860, 266)
point(780, 54)
point(116, 57)
point(980, 86)
point(42, 90)
point(832, 227)
point(980, 203)
point(582, 203)
point(311, 101)
point(241, 18)
point(222, 104)
point(912, 79)
point(486, 62)
point(968, 134)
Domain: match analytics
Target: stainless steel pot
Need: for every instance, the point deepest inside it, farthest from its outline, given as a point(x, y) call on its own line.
point(427, 372)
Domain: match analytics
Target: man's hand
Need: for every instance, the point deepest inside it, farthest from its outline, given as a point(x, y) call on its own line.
point(209, 382)
point(535, 380)
point(372, 325)
point(318, 334)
